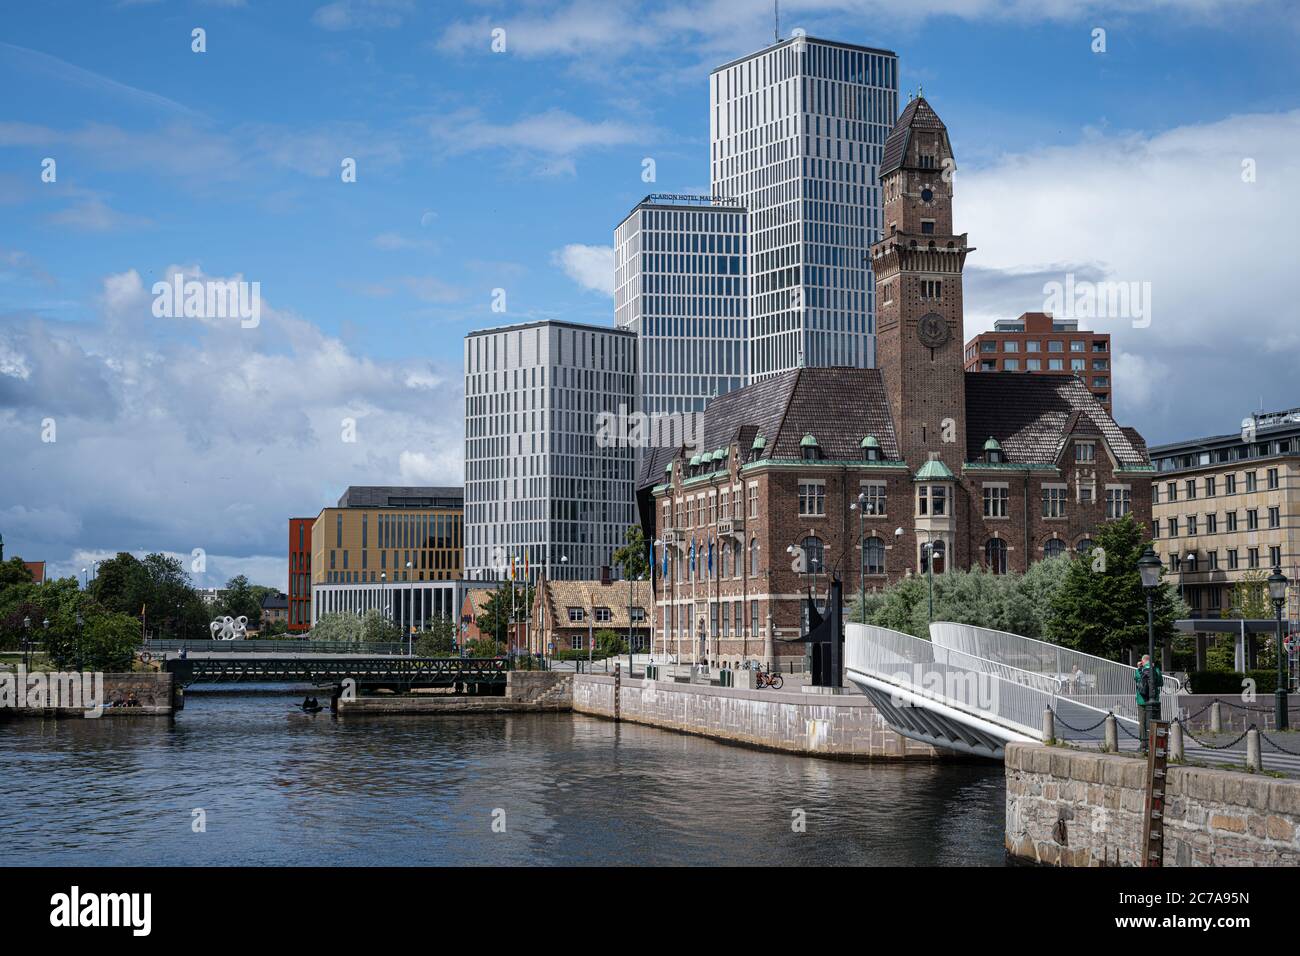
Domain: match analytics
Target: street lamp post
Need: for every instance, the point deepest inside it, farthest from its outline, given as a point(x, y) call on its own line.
point(80, 621)
point(861, 506)
point(1149, 567)
point(27, 643)
point(1277, 583)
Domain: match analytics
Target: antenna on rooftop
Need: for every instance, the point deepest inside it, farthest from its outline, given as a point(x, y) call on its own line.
point(776, 28)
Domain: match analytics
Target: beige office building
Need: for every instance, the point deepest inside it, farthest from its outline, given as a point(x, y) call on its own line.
point(1226, 507)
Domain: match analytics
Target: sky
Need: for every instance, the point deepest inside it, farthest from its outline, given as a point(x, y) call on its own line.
point(1155, 143)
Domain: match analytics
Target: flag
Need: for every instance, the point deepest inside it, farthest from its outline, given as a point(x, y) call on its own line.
point(692, 555)
point(525, 565)
point(665, 561)
point(512, 567)
point(710, 555)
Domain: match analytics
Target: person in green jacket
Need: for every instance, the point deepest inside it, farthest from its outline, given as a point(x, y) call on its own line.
point(1148, 680)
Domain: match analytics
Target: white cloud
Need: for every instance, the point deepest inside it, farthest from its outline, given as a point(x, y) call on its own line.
point(592, 267)
point(549, 141)
point(361, 14)
point(1170, 209)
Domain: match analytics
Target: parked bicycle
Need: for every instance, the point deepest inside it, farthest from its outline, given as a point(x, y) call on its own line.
point(764, 679)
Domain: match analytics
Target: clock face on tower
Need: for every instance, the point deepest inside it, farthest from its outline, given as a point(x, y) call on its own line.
point(932, 330)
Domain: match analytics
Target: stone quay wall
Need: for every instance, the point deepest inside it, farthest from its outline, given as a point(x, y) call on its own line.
point(839, 725)
point(1076, 808)
point(152, 689)
point(526, 692)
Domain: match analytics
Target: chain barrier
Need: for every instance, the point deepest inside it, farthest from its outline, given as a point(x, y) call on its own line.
point(1226, 746)
point(1078, 730)
point(1278, 746)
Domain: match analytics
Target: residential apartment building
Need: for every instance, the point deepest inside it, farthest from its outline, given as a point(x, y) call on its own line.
point(1036, 342)
point(545, 484)
point(876, 474)
point(1227, 508)
point(797, 132)
point(300, 574)
point(680, 286)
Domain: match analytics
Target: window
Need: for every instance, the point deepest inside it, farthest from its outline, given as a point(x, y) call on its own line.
point(1054, 548)
point(1171, 491)
point(1033, 365)
point(1010, 346)
point(1191, 488)
point(927, 227)
point(1191, 526)
point(995, 501)
point(576, 615)
point(1032, 346)
point(1011, 365)
point(1210, 486)
point(995, 555)
point(874, 556)
point(638, 615)
point(753, 619)
point(1212, 560)
point(1173, 527)
point(1232, 520)
point(1054, 501)
point(1272, 479)
point(1085, 451)
point(753, 499)
point(603, 615)
point(1274, 518)
point(1229, 484)
point(1078, 365)
point(876, 501)
point(814, 552)
point(1083, 547)
point(1232, 559)
point(1275, 556)
point(1076, 346)
point(1119, 501)
point(753, 557)
point(1252, 519)
point(1252, 479)
point(578, 641)
point(1055, 347)
point(931, 289)
point(1055, 365)
point(812, 498)
point(1211, 523)
point(1252, 558)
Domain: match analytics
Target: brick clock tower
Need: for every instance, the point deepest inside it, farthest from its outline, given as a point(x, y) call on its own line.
point(918, 267)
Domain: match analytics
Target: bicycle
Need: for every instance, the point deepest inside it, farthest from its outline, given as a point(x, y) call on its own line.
point(764, 679)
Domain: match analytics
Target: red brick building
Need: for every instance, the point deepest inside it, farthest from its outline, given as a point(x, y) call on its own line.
point(873, 473)
point(300, 575)
point(1040, 344)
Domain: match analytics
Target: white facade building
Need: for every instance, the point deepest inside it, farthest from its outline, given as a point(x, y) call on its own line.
point(680, 285)
point(796, 136)
point(538, 481)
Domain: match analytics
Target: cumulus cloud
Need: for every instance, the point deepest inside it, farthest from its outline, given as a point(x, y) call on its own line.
point(548, 142)
point(1177, 210)
point(175, 434)
point(592, 267)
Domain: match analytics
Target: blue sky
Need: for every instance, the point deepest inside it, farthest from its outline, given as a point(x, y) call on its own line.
point(479, 170)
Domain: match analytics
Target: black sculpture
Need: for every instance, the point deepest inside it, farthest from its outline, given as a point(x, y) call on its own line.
point(826, 637)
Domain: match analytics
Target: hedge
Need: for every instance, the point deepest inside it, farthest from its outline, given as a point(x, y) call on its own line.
point(1229, 682)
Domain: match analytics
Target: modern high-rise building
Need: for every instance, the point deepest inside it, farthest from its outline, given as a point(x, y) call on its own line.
point(680, 286)
point(544, 481)
point(797, 132)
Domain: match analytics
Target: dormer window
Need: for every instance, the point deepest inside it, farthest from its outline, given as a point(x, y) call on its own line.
point(756, 449)
point(809, 450)
point(993, 452)
point(870, 449)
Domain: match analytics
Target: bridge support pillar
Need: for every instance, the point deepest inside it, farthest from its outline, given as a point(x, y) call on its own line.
point(1112, 734)
point(335, 693)
point(1049, 726)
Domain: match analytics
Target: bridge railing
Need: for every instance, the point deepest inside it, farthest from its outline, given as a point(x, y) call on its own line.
point(369, 648)
point(1010, 697)
point(1098, 685)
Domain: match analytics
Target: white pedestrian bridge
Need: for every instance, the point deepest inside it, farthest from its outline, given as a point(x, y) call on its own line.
point(973, 689)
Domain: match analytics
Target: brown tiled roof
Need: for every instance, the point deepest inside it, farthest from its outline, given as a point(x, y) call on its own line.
point(1032, 416)
point(839, 406)
point(562, 595)
point(917, 114)
point(478, 598)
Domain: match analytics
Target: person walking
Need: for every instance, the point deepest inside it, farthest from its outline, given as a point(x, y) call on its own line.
point(1148, 680)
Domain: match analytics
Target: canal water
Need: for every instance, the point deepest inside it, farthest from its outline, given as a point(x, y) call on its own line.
point(275, 786)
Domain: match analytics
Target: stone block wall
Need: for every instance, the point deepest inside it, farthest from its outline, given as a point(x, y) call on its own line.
point(844, 725)
point(1076, 808)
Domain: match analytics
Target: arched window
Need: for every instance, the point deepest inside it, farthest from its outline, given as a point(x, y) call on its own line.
point(737, 559)
point(1084, 546)
point(874, 555)
point(814, 553)
point(1054, 548)
point(753, 557)
point(995, 555)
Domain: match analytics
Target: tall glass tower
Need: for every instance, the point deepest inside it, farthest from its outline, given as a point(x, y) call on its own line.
point(796, 136)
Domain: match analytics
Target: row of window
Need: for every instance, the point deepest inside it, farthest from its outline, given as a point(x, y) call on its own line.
point(1273, 481)
point(933, 500)
point(602, 615)
point(1032, 345)
point(1194, 526)
point(1190, 563)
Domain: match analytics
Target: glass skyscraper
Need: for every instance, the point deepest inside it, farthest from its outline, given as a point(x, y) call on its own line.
point(539, 482)
point(680, 285)
point(796, 136)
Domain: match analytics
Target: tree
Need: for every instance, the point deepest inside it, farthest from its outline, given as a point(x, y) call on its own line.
point(439, 640)
point(343, 628)
point(13, 572)
point(631, 558)
point(241, 600)
point(1249, 597)
point(377, 628)
point(609, 644)
point(105, 641)
point(494, 619)
point(1100, 607)
point(484, 647)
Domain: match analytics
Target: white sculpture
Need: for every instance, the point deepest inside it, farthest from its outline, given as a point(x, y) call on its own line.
point(229, 628)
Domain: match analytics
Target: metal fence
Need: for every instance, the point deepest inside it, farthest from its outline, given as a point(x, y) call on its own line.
point(369, 648)
point(1000, 693)
point(1091, 682)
